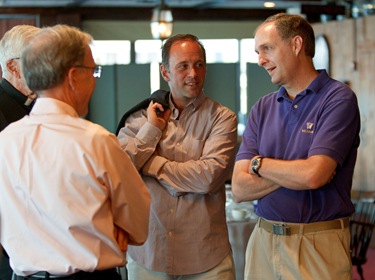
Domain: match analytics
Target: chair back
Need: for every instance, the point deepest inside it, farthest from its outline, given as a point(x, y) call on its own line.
point(361, 228)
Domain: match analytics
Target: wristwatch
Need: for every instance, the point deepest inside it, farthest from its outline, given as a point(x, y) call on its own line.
point(255, 165)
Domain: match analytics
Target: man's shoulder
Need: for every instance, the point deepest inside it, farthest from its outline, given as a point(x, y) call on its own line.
point(216, 105)
point(3, 95)
point(93, 128)
point(6, 99)
point(218, 111)
point(10, 109)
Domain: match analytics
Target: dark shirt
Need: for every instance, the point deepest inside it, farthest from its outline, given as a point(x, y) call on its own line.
point(324, 119)
point(12, 104)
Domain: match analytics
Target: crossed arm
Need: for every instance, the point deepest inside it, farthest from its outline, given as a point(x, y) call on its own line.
point(302, 174)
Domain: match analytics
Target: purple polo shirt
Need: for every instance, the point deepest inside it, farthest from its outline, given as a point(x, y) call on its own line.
point(323, 119)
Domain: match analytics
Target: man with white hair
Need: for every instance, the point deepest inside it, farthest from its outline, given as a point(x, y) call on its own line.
point(16, 99)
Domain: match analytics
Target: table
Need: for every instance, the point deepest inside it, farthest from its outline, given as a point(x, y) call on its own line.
point(239, 233)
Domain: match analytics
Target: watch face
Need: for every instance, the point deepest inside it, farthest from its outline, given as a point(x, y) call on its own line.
point(255, 164)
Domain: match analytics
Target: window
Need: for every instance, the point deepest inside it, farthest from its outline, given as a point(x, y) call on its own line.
point(149, 51)
point(248, 55)
point(111, 52)
point(221, 51)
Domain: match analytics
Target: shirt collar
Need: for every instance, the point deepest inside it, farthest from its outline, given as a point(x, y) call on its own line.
point(194, 104)
point(198, 101)
point(15, 93)
point(320, 81)
point(314, 87)
point(46, 105)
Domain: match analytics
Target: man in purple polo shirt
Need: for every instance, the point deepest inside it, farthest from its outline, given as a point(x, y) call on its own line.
point(297, 159)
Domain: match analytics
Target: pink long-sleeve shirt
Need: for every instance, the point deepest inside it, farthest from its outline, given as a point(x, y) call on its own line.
point(185, 167)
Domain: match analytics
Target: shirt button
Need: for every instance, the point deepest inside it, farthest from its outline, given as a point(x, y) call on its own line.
point(295, 106)
point(170, 234)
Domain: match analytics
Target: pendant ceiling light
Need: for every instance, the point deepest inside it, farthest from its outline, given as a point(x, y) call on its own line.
point(161, 22)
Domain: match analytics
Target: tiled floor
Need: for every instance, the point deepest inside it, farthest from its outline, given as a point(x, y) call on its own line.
point(368, 268)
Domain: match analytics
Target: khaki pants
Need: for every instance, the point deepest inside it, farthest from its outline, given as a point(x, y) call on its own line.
point(323, 255)
point(223, 271)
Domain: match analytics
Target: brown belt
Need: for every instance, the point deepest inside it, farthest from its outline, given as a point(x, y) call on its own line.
point(280, 228)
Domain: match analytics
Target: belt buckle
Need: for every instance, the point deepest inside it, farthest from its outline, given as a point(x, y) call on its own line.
point(280, 229)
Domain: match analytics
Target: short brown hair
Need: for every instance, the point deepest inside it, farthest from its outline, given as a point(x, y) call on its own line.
point(290, 26)
point(177, 38)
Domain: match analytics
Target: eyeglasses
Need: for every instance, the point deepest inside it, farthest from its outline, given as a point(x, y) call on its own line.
point(97, 70)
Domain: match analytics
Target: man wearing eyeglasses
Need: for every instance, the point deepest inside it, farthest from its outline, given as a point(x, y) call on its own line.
point(71, 199)
point(16, 99)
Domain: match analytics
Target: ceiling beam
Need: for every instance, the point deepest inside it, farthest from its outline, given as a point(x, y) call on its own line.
point(95, 13)
point(179, 14)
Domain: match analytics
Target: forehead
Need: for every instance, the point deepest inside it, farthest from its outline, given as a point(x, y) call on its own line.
point(185, 51)
point(266, 33)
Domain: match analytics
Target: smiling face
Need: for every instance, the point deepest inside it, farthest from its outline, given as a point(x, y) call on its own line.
point(186, 73)
point(274, 54)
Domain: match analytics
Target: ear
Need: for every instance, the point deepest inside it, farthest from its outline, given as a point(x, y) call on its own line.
point(164, 73)
point(297, 42)
point(72, 78)
point(13, 68)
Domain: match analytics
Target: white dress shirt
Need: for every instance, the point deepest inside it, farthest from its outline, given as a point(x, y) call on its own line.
point(64, 184)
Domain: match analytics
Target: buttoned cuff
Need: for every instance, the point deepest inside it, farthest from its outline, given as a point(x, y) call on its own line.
point(149, 133)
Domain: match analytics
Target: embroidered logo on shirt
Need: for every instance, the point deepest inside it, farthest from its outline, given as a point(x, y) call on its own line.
point(309, 128)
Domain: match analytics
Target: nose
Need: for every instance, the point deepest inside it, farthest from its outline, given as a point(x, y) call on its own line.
point(192, 71)
point(261, 60)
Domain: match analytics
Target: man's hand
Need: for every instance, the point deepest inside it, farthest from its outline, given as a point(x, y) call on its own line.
point(121, 238)
point(157, 116)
